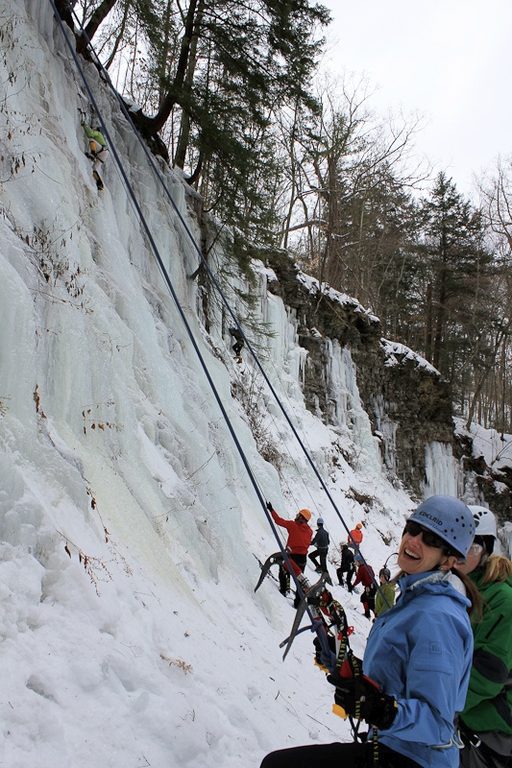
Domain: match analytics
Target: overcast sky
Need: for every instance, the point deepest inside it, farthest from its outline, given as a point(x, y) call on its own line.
point(449, 60)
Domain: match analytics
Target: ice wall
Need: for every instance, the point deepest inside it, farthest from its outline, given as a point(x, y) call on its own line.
point(387, 428)
point(129, 525)
point(347, 411)
point(442, 472)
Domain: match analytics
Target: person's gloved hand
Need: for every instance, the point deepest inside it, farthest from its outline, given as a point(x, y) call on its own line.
point(328, 659)
point(269, 506)
point(360, 697)
point(350, 666)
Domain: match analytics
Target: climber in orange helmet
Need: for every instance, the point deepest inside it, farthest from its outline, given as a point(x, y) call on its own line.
point(355, 536)
point(299, 539)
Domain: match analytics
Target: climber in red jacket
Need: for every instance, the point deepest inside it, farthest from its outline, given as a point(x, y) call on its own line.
point(364, 575)
point(299, 539)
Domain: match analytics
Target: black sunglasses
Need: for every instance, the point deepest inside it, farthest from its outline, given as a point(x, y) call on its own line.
point(428, 538)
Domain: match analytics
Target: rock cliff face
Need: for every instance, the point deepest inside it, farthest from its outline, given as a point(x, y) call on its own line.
point(414, 403)
point(491, 482)
point(408, 403)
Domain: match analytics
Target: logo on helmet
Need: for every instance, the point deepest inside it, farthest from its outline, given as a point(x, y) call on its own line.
point(435, 520)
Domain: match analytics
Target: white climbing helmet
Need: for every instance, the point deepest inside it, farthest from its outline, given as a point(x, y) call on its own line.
point(485, 522)
point(450, 519)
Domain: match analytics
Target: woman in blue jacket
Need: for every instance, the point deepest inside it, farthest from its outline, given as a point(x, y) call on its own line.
point(417, 660)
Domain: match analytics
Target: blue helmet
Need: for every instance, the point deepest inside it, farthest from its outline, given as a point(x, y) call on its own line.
point(450, 519)
point(320, 521)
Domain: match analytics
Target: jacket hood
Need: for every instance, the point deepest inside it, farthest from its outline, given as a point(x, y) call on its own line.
point(433, 582)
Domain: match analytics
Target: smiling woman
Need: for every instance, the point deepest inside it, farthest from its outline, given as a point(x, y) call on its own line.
point(417, 660)
point(436, 536)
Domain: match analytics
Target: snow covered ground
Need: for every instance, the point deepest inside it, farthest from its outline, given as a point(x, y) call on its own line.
point(129, 527)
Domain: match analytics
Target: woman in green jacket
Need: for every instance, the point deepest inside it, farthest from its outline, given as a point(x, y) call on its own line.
point(486, 722)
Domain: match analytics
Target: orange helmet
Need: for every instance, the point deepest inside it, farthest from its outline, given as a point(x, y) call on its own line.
point(359, 525)
point(305, 513)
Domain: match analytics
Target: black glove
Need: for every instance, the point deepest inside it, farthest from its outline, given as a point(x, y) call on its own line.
point(269, 506)
point(360, 697)
point(328, 659)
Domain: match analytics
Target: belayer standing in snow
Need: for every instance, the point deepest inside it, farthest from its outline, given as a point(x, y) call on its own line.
point(486, 721)
point(385, 597)
point(97, 149)
point(365, 576)
point(321, 542)
point(417, 662)
point(346, 566)
point(299, 539)
point(356, 536)
point(368, 600)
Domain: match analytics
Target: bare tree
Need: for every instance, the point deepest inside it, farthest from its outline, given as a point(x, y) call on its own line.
point(339, 163)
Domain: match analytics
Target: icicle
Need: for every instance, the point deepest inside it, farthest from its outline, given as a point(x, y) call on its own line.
point(441, 470)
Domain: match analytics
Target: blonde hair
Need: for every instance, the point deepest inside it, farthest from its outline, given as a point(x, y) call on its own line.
point(497, 568)
point(476, 608)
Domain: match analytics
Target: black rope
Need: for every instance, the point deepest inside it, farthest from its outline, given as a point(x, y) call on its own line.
point(213, 280)
point(160, 262)
point(217, 285)
point(172, 291)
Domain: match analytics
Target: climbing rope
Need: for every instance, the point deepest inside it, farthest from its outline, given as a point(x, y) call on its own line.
point(212, 278)
point(170, 286)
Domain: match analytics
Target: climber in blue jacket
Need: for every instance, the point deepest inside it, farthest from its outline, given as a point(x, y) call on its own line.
point(417, 660)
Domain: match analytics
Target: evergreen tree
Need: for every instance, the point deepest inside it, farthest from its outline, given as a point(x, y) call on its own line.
point(237, 64)
point(220, 69)
point(456, 259)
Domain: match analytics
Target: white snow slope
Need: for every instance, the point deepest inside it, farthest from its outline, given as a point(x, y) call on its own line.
point(130, 634)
